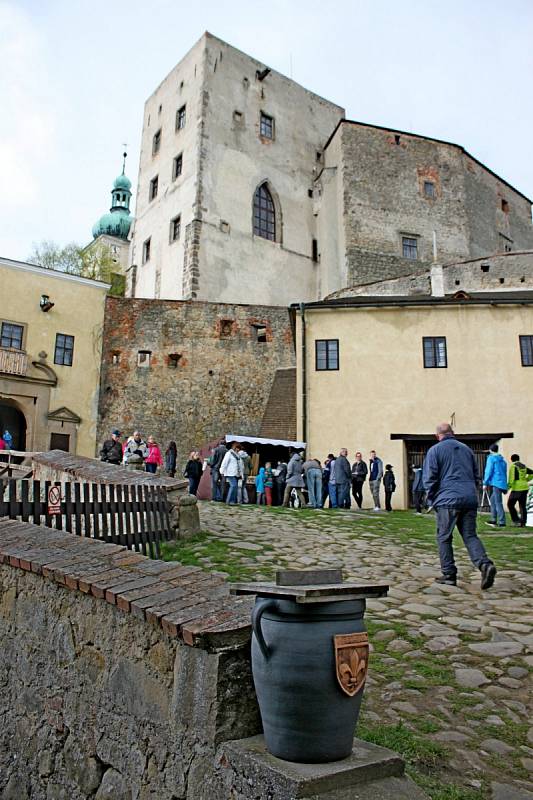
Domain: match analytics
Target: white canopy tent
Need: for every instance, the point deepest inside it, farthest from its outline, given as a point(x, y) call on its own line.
point(232, 437)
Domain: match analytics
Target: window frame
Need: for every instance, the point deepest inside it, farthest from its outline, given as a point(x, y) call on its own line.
point(432, 195)
point(411, 238)
point(526, 339)
point(145, 361)
point(173, 221)
point(156, 141)
point(154, 188)
point(434, 342)
point(264, 217)
point(64, 349)
point(147, 245)
point(12, 325)
point(267, 126)
point(178, 161)
point(181, 117)
point(327, 367)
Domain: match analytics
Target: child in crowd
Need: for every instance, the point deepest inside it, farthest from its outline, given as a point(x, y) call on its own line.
point(154, 458)
point(269, 483)
point(389, 484)
point(260, 486)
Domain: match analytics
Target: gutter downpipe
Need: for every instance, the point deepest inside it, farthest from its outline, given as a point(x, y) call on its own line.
point(304, 375)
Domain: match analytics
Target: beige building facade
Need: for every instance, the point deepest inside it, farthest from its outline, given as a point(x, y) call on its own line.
point(50, 352)
point(380, 373)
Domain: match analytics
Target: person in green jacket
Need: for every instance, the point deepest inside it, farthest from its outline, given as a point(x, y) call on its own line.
point(519, 477)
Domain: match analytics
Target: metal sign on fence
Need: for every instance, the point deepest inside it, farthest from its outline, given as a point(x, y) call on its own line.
point(54, 500)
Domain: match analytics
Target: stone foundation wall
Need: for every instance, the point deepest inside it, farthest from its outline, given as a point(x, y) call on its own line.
point(96, 700)
point(208, 373)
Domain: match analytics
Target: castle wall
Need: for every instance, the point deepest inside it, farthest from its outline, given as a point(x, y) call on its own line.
point(162, 274)
point(384, 174)
point(222, 379)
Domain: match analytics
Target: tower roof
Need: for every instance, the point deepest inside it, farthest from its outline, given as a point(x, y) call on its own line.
point(117, 221)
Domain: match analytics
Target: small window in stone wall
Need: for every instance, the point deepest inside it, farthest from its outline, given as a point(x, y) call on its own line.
point(173, 360)
point(429, 190)
point(177, 166)
point(181, 117)
point(146, 250)
point(410, 247)
point(266, 126)
point(115, 358)
point(143, 358)
point(175, 228)
point(485, 267)
point(505, 206)
point(154, 186)
point(226, 328)
point(156, 142)
point(260, 332)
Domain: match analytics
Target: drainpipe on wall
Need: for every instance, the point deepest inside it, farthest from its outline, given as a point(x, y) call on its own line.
point(304, 375)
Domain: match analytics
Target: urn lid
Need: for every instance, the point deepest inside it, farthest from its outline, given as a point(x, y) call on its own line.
point(311, 586)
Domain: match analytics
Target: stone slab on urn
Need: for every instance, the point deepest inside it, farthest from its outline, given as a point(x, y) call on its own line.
point(369, 772)
point(310, 655)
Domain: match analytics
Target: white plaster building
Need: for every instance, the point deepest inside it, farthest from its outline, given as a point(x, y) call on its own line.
point(219, 128)
point(254, 190)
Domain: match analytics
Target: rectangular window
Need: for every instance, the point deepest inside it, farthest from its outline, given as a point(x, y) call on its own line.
point(11, 335)
point(64, 350)
point(146, 250)
point(143, 358)
point(410, 247)
point(326, 354)
point(435, 356)
point(266, 126)
point(180, 118)
point(156, 142)
point(526, 350)
point(154, 186)
point(60, 441)
point(177, 166)
point(505, 206)
point(175, 228)
point(314, 250)
point(429, 189)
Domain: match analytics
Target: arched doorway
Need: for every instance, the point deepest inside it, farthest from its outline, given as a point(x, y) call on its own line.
point(13, 420)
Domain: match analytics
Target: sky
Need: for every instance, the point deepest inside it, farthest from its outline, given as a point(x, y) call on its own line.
point(74, 77)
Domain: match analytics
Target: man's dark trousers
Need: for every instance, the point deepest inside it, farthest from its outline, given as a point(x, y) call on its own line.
point(465, 519)
point(521, 499)
point(343, 495)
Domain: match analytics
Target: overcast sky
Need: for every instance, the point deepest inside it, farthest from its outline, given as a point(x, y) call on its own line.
point(74, 77)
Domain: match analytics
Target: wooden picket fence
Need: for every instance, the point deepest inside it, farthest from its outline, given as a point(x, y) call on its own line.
point(135, 516)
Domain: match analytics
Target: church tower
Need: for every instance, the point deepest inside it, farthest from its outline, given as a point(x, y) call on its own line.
point(113, 228)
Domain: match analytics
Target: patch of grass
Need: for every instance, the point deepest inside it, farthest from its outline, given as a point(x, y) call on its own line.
point(462, 700)
point(221, 556)
point(425, 760)
point(426, 725)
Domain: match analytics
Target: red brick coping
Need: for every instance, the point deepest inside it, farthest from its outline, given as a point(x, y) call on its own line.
point(184, 601)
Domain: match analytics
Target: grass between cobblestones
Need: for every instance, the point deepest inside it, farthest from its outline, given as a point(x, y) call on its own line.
point(427, 680)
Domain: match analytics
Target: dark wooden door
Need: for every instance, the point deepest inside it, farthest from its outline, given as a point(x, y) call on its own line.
point(418, 448)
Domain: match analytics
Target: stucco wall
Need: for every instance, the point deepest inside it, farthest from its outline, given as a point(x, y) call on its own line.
point(162, 275)
point(220, 385)
point(78, 311)
point(382, 386)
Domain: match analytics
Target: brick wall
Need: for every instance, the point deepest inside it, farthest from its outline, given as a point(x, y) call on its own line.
point(220, 383)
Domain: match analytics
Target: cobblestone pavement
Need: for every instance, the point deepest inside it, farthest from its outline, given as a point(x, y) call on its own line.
point(452, 663)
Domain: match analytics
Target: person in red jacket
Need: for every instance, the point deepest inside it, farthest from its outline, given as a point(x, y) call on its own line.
point(154, 458)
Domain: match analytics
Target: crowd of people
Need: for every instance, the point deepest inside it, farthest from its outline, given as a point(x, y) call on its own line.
point(330, 484)
point(307, 482)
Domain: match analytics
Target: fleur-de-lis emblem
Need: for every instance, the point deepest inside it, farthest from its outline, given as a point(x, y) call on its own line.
point(351, 661)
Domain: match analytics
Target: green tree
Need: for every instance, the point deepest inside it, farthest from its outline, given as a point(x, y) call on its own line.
point(95, 261)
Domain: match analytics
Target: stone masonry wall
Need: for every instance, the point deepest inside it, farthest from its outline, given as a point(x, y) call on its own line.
point(384, 173)
point(218, 382)
point(100, 695)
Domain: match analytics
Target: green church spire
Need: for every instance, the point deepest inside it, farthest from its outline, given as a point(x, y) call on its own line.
point(117, 222)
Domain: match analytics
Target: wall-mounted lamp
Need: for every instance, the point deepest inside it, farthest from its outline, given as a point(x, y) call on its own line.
point(45, 303)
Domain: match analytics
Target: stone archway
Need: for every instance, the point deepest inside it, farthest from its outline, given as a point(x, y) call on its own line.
point(13, 420)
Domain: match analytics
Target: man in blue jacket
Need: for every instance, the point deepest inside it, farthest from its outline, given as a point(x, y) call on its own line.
point(495, 478)
point(451, 477)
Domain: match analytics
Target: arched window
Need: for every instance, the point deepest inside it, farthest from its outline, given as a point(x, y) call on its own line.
point(264, 214)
